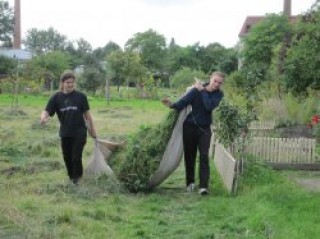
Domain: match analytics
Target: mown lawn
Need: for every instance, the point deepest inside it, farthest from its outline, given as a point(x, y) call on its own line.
point(37, 201)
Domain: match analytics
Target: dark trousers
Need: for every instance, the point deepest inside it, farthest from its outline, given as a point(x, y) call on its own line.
point(196, 138)
point(72, 148)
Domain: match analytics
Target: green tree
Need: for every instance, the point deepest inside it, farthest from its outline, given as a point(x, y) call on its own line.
point(302, 65)
point(215, 57)
point(79, 50)
point(6, 24)
point(84, 47)
point(189, 57)
point(172, 50)
point(207, 59)
point(186, 77)
point(91, 79)
point(126, 67)
point(44, 41)
point(7, 65)
point(229, 63)
point(258, 45)
point(152, 48)
point(102, 52)
point(48, 68)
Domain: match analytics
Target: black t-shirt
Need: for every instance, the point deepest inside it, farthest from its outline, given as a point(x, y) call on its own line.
point(70, 109)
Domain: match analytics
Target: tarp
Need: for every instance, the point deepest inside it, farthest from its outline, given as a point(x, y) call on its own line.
point(98, 163)
point(172, 155)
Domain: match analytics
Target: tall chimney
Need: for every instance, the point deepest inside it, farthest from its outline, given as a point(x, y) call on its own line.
point(17, 25)
point(287, 8)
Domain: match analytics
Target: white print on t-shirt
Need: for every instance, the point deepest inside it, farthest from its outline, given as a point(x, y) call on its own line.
point(69, 108)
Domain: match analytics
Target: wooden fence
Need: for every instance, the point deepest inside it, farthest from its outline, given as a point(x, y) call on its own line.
point(281, 153)
point(262, 125)
point(226, 166)
point(257, 125)
point(283, 150)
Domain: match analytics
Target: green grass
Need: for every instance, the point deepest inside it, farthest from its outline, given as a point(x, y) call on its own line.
point(37, 201)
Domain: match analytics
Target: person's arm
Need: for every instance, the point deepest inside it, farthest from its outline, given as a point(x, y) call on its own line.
point(49, 110)
point(184, 100)
point(90, 125)
point(44, 117)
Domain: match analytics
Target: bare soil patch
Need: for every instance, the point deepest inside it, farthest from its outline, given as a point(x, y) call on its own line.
point(309, 180)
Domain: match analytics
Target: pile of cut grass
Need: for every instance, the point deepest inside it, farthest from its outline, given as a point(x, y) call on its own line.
point(135, 163)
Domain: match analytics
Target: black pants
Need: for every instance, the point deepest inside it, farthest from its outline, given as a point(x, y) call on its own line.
point(196, 138)
point(72, 148)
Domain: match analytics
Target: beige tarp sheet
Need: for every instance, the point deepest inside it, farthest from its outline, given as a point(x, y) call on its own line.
point(173, 153)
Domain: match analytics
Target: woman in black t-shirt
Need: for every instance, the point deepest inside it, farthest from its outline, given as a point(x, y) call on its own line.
point(72, 109)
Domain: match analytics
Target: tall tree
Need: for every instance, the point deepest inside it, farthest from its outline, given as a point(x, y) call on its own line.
point(83, 47)
point(152, 48)
point(47, 67)
point(102, 52)
point(7, 65)
point(179, 57)
point(302, 65)
point(6, 24)
point(171, 52)
point(216, 57)
point(91, 79)
point(126, 67)
point(80, 51)
point(263, 37)
point(44, 41)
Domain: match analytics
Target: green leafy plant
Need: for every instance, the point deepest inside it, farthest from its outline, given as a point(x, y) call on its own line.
point(233, 120)
point(231, 123)
point(138, 160)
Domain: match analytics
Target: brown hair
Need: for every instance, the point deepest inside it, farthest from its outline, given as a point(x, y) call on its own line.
point(65, 76)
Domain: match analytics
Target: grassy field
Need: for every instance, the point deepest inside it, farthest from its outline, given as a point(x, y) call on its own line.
point(37, 201)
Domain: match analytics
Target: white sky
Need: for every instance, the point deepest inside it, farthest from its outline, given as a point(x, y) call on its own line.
point(187, 21)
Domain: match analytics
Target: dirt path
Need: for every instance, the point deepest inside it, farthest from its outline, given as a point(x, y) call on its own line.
point(307, 179)
point(311, 184)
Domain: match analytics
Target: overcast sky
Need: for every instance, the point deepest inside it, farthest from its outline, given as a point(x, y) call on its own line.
point(187, 21)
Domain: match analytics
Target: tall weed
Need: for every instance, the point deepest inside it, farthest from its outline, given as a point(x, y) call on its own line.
point(300, 111)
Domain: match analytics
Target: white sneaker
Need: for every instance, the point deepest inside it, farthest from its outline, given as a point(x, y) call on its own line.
point(190, 187)
point(203, 191)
